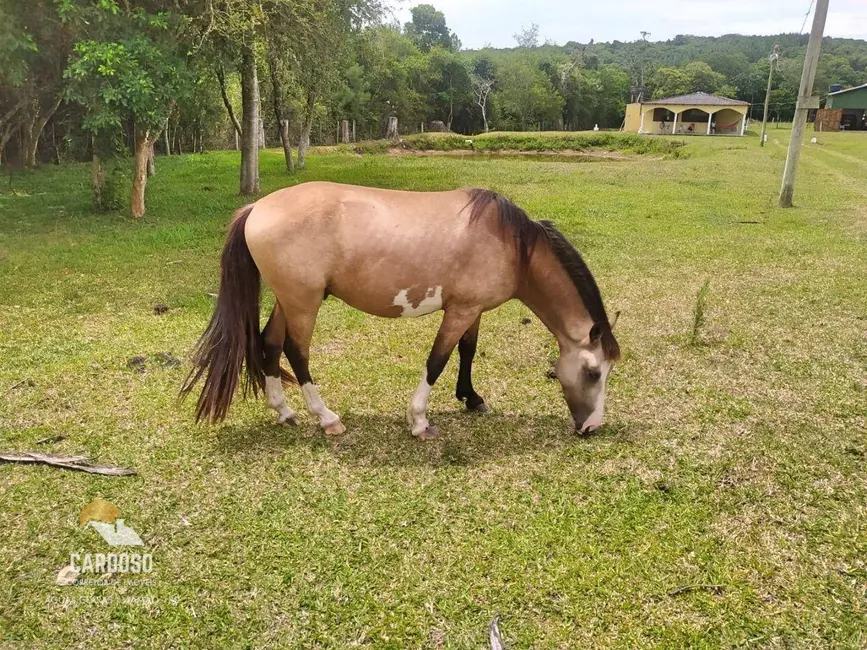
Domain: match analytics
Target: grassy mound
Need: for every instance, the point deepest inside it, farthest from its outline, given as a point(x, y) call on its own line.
point(532, 141)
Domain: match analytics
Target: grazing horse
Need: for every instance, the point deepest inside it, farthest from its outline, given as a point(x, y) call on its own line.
point(395, 254)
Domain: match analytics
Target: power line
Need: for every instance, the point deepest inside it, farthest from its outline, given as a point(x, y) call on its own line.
point(806, 15)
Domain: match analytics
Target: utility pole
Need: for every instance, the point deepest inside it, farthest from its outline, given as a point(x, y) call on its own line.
point(805, 103)
point(773, 58)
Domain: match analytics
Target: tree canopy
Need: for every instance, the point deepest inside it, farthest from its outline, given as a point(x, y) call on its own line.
point(183, 69)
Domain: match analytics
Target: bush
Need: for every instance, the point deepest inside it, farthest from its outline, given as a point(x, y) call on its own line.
point(545, 141)
point(115, 191)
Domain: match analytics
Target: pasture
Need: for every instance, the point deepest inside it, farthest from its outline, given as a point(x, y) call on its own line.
point(722, 504)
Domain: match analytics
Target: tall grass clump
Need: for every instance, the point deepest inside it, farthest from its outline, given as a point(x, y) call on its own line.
point(699, 312)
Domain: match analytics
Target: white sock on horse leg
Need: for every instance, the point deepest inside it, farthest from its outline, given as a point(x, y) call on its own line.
point(317, 407)
point(417, 412)
point(276, 399)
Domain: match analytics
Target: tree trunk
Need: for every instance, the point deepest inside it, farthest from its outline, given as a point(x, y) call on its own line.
point(250, 123)
point(166, 139)
point(282, 122)
point(97, 176)
point(8, 127)
point(33, 129)
point(221, 78)
point(306, 126)
point(287, 145)
point(345, 125)
point(55, 152)
point(5, 136)
point(152, 167)
point(28, 142)
point(391, 132)
point(140, 178)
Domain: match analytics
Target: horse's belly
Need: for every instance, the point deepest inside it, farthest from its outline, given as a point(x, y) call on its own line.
point(408, 302)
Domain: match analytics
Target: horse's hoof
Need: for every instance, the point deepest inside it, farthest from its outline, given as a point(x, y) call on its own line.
point(479, 407)
point(335, 428)
point(431, 433)
point(288, 420)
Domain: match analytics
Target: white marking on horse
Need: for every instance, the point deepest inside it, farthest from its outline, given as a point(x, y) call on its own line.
point(432, 301)
point(595, 420)
point(417, 411)
point(276, 399)
point(317, 407)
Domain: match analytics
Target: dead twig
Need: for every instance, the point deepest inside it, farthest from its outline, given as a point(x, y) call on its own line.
point(50, 439)
point(80, 463)
point(687, 589)
point(29, 382)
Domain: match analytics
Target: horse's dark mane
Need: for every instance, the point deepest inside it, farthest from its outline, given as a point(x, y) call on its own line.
point(514, 222)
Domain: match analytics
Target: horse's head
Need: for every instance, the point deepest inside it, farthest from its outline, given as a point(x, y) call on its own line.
point(582, 371)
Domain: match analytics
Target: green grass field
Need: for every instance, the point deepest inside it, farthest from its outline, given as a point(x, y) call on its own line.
point(736, 461)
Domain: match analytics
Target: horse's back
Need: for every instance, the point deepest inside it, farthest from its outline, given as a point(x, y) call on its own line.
point(385, 252)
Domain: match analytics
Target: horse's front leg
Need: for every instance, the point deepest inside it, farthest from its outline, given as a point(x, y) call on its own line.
point(456, 322)
point(467, 351)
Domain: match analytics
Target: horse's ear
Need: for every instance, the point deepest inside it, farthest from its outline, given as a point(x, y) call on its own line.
point(616, 318)
point(595, 333)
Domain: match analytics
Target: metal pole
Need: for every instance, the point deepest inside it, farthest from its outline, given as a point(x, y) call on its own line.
point(772, 59)
point(803, 106)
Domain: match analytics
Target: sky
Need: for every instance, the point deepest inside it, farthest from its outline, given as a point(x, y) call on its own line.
point(481, 22)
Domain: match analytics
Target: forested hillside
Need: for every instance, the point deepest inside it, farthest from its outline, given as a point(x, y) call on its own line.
point(83, 75)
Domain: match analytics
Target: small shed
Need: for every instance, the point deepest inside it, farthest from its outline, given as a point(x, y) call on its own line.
point(844, 109)
point(692, 114)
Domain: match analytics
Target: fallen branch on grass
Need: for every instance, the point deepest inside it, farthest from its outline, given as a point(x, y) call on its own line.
point(686, 589)
point(494, 637)
point(29, 382)
point(50, 440)
point(81, 463)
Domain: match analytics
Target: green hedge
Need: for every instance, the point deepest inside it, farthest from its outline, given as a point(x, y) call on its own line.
point(544, 141)
point(527, 141)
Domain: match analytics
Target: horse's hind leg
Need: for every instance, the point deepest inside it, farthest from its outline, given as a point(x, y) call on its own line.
point(456, 322)
point(299, 327)
point(467, 351)
point(274, 335)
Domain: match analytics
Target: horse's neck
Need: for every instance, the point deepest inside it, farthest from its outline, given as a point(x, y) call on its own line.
point(550, 293)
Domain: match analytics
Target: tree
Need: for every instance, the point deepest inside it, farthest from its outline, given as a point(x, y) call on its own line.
point(35, 43)
point(482, 87)
point(428, 29)
point(318, 48)
point(701, 78)
point(526, 96)
point(353, 97)
point(669, 82)
point(128, 69)
point(230, 31)
point(448, 85)
point(528, 36)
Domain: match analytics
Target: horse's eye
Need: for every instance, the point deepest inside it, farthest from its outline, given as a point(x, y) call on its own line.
point(594, 375)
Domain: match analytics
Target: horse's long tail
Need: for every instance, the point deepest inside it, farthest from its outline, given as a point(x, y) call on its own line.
point(232, 342)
